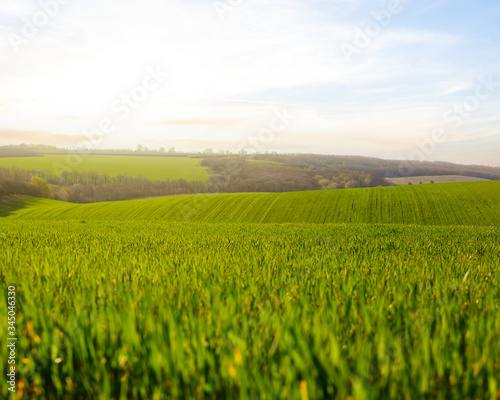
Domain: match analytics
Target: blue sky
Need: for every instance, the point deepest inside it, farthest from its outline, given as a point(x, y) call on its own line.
point(227, 68)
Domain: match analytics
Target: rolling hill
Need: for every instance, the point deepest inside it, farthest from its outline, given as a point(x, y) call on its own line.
point(472, 203)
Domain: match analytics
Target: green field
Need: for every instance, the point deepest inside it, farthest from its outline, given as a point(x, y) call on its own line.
point(416, 180)
point(153, 168)
point(144, 309)
point(123, 301)
point(476, 203)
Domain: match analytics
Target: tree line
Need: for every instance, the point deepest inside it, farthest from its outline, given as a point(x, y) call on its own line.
point(17, 151)
point(89, 187)
point(381, 167)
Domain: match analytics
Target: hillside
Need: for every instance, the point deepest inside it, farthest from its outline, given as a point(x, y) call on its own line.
point(474, 203)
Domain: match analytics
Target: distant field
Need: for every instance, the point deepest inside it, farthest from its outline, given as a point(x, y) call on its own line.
point(415, 180)
point(153, 168)
point(476, 203)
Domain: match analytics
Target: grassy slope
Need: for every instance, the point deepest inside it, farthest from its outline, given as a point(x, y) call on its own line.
point(476, 203)
point(154, 168)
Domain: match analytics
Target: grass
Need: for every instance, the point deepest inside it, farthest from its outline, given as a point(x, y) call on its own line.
point(471, 204)
point(153, 168)
point(149, 310)
point(416, 180)
point(122, 301)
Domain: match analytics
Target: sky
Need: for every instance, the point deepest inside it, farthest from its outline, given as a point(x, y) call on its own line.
point(396, 79)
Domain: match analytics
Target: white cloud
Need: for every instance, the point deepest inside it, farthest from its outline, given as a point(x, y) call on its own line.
point(264, 51)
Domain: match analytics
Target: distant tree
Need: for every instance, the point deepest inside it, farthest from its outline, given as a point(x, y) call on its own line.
point(46, 190)
point(409, 183)
point(162, 149)
point(351, 184)
point(63, 193)
point(324, 183)
point(171, 150)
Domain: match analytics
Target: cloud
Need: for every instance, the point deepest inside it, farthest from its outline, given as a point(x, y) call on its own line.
point(39, 137)
point(199, 122)
point(194, 144)
point(68, 118)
